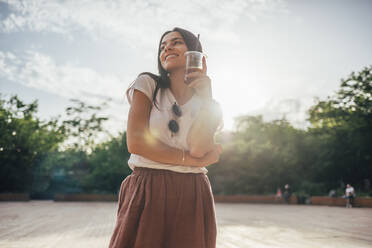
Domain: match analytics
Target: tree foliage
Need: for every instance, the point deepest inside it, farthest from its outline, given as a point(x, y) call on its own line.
point(24, 139)
point(337, 148)
point(108, 166)
point(343, 123)
point(259, 156)
point(83, 125)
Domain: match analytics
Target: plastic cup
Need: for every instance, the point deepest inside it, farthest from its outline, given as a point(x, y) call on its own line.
point(194, 62)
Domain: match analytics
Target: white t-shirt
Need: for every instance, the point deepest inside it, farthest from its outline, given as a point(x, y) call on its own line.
point(158, 123)
point(350, 191)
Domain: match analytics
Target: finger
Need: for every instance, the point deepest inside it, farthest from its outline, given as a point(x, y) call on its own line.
point(203, 78)
point(205, 81)
point(195, 74)
point(204, 66)
point(195, 83)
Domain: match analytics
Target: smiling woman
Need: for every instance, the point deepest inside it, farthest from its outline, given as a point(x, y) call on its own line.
point(172, 52)
point(167, 201)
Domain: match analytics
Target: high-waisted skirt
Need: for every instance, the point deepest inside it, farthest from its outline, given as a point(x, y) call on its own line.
point(165, 209)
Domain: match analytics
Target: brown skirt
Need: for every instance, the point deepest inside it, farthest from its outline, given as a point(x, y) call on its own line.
point(165, 209)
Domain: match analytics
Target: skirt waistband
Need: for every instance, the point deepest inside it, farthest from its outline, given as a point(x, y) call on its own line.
point(152, 171)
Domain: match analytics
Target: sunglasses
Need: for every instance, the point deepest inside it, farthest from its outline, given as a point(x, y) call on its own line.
point(173, 124)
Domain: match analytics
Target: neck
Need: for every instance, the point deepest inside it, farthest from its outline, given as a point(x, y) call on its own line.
point(179, 89)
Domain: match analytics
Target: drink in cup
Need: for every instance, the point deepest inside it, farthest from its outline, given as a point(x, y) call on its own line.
point(194, 62)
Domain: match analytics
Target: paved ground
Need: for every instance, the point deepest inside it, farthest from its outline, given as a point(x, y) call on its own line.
point(40, 224)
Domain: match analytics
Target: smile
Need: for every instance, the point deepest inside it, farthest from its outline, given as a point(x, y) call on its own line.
point(171, 56)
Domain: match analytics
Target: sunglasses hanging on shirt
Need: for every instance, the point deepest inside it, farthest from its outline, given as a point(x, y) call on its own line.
point(173, 124)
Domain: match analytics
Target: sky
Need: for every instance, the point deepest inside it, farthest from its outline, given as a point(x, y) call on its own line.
point(269, 58)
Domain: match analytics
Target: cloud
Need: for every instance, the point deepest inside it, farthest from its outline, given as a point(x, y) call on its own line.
point(128, 21)
point(134, 25)
point(40, 71)
point(37, 70)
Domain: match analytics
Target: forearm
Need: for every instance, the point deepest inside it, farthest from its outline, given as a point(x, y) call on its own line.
point(150, 147)
point(201, 135)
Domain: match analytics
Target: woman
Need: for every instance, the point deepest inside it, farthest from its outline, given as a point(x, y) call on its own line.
point(167, 201)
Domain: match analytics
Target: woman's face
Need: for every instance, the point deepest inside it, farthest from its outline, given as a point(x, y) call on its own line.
point(172, 50)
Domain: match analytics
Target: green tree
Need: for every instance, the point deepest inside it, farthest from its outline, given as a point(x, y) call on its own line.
point(343, 124)
point(24, 139)
point(107, 166)
point(259, 158)
point(65, 170)
point(83, 125)
point(59, 172)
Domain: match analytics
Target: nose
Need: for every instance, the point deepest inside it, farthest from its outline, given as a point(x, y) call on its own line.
point(167, 47)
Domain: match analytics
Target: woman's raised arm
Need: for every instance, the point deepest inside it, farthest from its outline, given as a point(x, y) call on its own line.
point(141, 142)
point(201, 135)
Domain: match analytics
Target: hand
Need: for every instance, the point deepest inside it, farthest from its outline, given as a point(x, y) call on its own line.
point(211, 157)
point(201, 83)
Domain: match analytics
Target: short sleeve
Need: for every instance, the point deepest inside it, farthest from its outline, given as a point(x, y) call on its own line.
point(143, 83)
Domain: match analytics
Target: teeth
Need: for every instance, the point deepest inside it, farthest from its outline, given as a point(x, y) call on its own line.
point(172, 55)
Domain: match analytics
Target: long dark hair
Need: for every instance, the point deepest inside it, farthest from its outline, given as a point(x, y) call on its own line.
point(162, 80)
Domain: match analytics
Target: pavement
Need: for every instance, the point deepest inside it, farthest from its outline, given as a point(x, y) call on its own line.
point(41, 224)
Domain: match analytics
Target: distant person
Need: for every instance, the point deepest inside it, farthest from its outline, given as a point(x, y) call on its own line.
point(278, 195)
point(287, 193)
point(349, 194)
point(332, 193)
